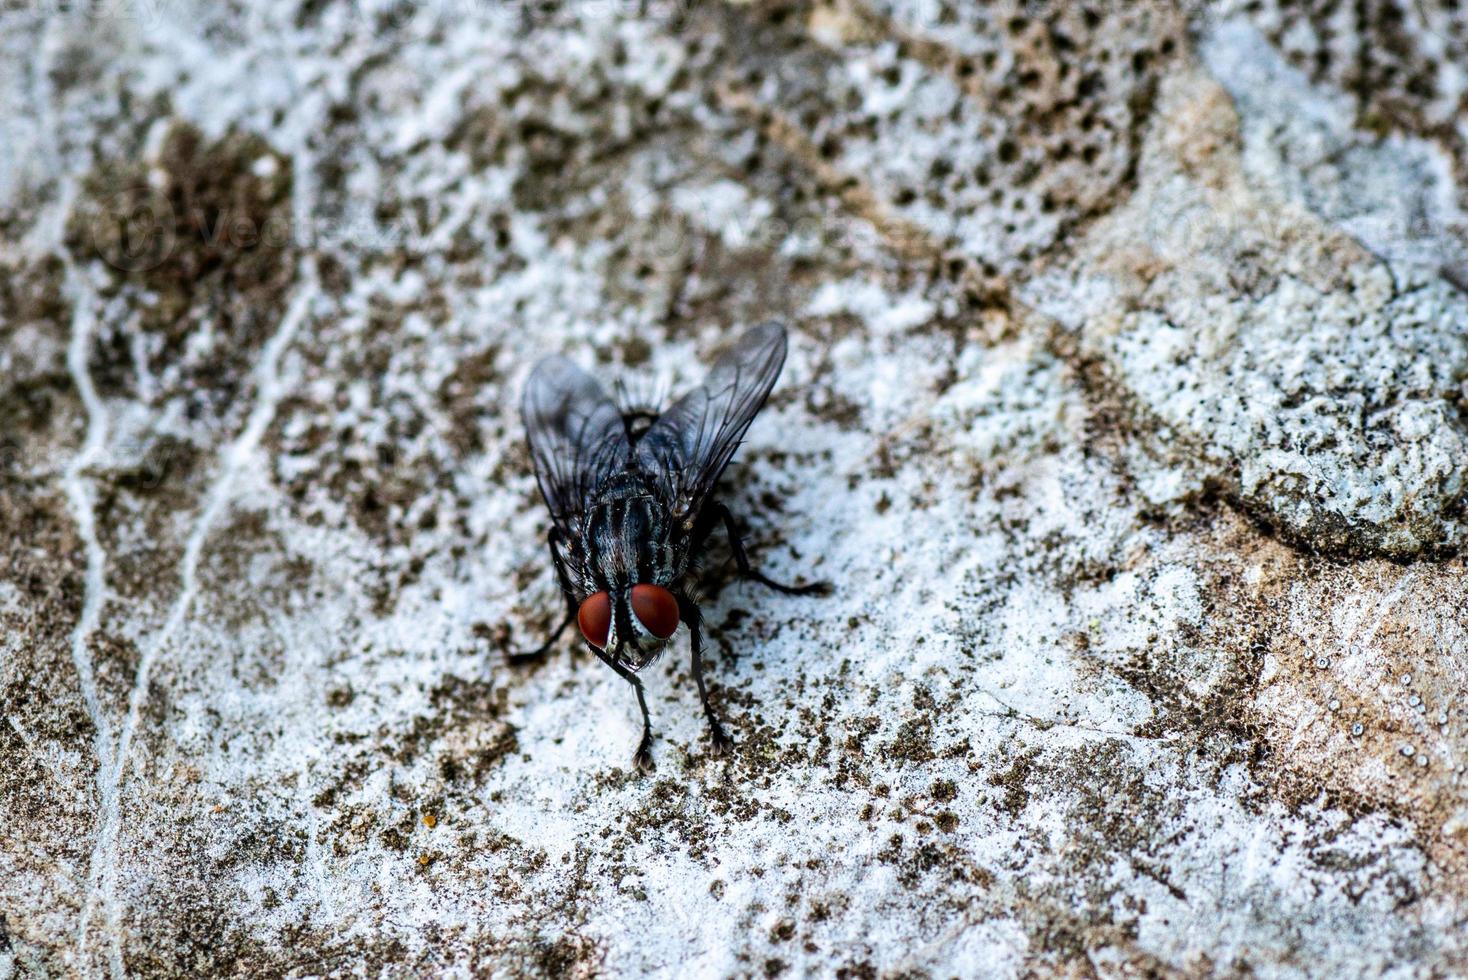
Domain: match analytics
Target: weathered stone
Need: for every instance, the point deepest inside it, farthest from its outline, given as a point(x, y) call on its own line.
point(1124, 408)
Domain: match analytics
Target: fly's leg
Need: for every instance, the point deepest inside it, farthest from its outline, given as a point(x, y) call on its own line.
point(553, 542)
point(736, 544)
point(643, 757)
point(530, 656)
point(689, 613)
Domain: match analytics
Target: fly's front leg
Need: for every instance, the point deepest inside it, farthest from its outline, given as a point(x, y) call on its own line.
point(736, 544)
point(530, 656)
point(643, 757)
point(553, 542)
point(689, 613)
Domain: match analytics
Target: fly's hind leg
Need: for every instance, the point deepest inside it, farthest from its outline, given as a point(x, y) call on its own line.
point(689, 613)
point(736, 544)
point(553, 542)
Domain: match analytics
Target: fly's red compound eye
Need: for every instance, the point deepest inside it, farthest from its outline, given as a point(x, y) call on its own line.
point(656, 609)
point(595, 619)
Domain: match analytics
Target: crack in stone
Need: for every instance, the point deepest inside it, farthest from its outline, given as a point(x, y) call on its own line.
point(74, 481)
point(79, 494)
point(112, 771)
point(269, 389)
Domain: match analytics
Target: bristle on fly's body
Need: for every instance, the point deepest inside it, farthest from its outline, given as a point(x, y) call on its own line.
point(640, 400)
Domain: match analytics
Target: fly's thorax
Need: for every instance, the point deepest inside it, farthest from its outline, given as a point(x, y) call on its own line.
point(629, 540)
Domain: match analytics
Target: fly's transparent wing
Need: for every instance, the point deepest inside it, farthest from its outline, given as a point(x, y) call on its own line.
point(576, 434)
point(691, 443)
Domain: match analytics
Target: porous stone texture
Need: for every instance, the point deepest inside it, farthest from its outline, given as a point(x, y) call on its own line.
point(1125, 410)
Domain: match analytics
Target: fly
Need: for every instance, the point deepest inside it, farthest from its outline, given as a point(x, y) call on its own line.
point(631, 502)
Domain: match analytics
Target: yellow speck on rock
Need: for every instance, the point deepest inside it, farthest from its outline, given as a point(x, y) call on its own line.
point(430, 821)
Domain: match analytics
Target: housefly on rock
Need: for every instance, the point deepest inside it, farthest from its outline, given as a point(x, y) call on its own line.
point(632, 507)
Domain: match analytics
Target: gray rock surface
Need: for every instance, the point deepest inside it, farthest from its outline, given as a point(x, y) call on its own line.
point(1125, 407)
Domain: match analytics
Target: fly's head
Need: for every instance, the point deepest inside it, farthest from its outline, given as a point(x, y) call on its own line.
point(628, 609)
